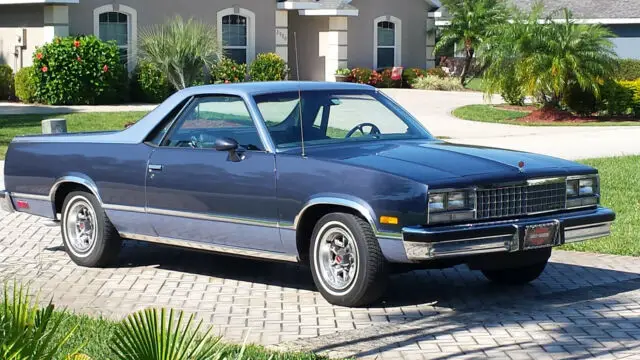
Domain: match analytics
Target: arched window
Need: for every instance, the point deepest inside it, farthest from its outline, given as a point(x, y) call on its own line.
point(387, 42)
point(236, 31)
point(118, 23)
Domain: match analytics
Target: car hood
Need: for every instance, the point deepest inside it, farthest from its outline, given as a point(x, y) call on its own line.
point(438, 163)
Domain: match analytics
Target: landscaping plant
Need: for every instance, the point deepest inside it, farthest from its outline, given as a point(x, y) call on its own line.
point(268, 67)
point(6, 82)
point(408, 75)
point(181, 50)
point(547, 58)
point(430, 82)
point(25, 86)
point(361, 75)
point(155, 335)
point(27, 331)
point(228, 71)
point(79, 70)
point(149, 84)
point(627, 70)
point(471, 24)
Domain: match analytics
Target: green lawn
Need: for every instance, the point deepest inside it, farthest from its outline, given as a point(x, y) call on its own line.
point(489, 113)
point(475, 84)
point(14, 125)
point(620, 184)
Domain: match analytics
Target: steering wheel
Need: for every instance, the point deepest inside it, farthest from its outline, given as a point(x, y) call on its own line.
point(374, 130)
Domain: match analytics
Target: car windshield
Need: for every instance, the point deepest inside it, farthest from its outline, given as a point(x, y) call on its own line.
point(335, 116)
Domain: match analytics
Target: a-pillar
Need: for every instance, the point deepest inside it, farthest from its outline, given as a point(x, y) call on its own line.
point(56, 22)
point(431, 42)
point(337, 45)
point(282, 34)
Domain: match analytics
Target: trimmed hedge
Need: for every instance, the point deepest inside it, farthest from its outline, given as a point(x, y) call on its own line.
point(617, 98)
point(79, 70)
point(149, 84)
point(228, 71)
point(628, 70)
point(25, 85)
point(6, 82)
point(268, 67)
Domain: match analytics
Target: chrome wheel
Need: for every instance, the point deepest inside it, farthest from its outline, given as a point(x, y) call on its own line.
point(336, 257)
point(80, 226)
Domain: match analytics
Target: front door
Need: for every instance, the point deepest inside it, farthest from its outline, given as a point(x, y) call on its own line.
point(197, 193)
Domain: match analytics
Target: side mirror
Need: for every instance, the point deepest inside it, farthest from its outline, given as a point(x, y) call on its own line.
point(226, 144)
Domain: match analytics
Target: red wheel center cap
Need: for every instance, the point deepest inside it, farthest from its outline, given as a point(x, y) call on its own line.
point(338, 259)
point(81, 226)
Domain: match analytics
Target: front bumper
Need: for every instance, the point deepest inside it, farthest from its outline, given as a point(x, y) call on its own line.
point(426, 243)
point(5, 201)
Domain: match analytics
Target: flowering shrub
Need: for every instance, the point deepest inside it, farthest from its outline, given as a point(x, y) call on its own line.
point(437, 71)
point(268, 67)
point(409, 75)
point(79, 70)
point(361, 75)
point(149, 84)
point(385, 80)
point(228, 71)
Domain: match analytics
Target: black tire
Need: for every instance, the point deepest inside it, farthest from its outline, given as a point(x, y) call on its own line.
point(516, 276)
point(370, 275)
point(105, 246)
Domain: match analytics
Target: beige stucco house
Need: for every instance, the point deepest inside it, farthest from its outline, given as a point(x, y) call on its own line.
point(330, 33)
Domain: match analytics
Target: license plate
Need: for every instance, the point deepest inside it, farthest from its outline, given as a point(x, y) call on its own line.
point(542, 235)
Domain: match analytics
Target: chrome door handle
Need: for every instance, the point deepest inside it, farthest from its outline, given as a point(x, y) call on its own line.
point(155, 167)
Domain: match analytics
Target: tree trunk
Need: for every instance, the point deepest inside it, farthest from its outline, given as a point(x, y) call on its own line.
point(468, 56)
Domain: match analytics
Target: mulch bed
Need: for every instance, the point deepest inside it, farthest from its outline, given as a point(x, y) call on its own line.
point(556, 116)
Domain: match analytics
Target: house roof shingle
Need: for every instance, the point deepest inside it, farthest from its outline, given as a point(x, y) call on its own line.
point(591, 9)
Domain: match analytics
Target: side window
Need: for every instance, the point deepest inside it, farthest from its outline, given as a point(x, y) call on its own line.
point(212, 117)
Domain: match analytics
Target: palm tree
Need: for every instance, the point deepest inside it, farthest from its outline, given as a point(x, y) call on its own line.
point(471, 21)
point(180, 49)
point(547, 57)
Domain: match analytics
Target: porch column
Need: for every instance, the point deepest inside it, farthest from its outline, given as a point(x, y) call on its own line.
point(431, 42)
point(282, 34)
point(336, 54)
point(56, 22)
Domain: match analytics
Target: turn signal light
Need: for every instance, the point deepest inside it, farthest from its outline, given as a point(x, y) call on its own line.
point(21, 204)
point(390, 220)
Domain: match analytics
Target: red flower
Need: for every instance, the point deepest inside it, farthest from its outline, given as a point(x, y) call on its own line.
point(39, 56)
point(105, 68)
point(226, 81)
point(79, 59)
point(45, 69)
point(76, 43)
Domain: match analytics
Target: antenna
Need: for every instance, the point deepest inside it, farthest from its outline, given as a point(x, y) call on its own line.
point(295, 44)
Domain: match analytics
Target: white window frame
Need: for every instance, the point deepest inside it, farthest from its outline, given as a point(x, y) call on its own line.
point(132, 29)
point(251, 30)
point(397, 61)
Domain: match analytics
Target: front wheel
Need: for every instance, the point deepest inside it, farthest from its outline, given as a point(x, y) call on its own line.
point(516, 276)
point(346, 261)
point(89, 237)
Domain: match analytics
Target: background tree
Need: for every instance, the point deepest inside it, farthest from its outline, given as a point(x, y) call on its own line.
point(471, 22)
point(548, 56)
point(181, 50)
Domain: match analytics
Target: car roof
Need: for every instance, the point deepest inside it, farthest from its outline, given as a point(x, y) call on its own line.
point(263, 87)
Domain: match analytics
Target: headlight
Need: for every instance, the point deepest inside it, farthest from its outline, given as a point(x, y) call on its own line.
point(436, 202)
point(456, 200)
point(448, 206)
point(582, 191)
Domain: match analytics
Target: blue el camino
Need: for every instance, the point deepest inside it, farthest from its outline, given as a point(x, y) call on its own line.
point(333, 175)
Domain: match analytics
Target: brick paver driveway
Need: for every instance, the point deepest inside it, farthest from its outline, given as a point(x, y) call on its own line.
point(584, 305)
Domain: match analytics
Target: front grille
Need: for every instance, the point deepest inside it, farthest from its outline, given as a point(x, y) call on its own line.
point(520, 200)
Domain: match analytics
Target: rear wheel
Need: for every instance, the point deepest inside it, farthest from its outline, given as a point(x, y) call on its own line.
point(516, 276)
point(346, 261)
point(89, 237)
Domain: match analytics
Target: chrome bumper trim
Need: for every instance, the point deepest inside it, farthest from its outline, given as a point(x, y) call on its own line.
point(5, 201)
point(586, 232)
point(428, 243)
point(475, 246)
point(211, 247)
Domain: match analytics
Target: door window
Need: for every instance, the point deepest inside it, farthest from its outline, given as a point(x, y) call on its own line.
point(209, 118)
